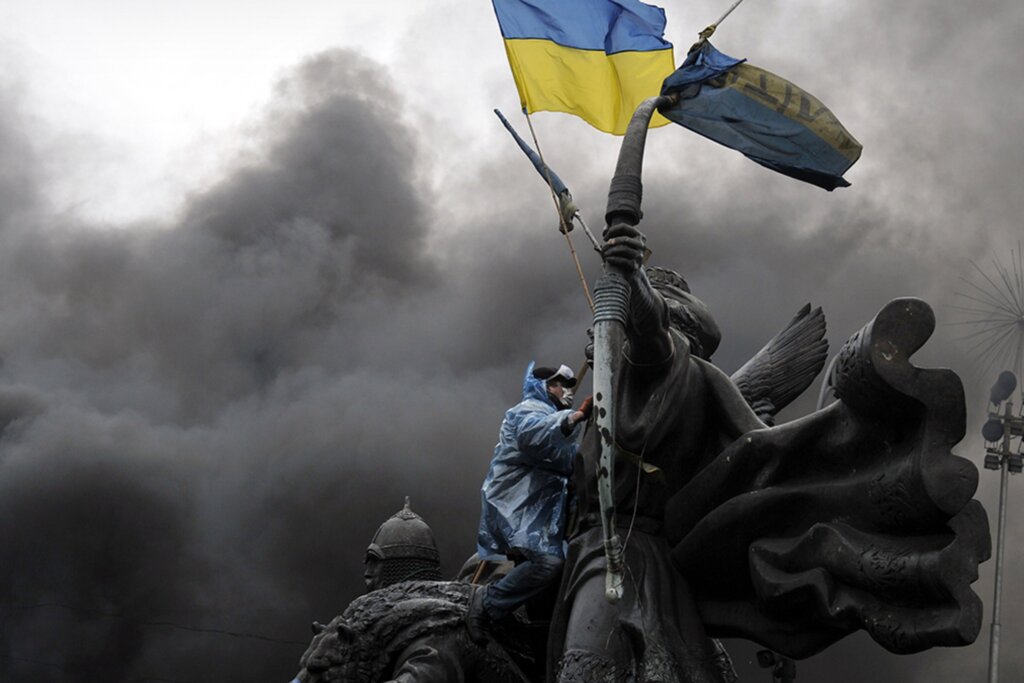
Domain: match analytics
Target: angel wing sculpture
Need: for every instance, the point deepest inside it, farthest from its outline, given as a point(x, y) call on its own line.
point(786, 366)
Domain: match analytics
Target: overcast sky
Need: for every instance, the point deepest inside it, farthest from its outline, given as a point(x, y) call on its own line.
point(265, 270)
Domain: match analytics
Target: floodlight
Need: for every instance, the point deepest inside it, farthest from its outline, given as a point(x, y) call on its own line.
point(992, 462)
point(1003, 387)
point(1015, 463)
point(993, 430)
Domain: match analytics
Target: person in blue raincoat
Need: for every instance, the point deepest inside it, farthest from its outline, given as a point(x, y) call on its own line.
point(524, 499)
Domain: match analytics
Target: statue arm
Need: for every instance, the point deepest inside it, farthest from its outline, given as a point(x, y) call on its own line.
point(648, 318)
point(647, 326)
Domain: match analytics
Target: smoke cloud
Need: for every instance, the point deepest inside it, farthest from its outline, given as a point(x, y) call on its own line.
point(203, 420)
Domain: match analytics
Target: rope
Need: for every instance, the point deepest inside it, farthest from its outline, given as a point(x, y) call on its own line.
point(561, 218)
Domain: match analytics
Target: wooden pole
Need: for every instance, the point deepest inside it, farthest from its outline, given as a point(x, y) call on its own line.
point(565, 227)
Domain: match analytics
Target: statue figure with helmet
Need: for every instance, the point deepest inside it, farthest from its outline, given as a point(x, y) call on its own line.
point(403, 549)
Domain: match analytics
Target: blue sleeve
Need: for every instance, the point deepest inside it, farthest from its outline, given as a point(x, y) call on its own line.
point(540, 439)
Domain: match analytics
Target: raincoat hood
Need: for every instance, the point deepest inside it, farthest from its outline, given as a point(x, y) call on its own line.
point(524, 499)
point(535, 388)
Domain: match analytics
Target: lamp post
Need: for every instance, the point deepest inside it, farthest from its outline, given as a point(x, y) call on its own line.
point(999, 432)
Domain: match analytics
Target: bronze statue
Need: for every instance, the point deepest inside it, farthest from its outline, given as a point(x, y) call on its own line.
point(856, 517)
point(675, 411)
point(699, 520)
point(410, 632)
point(403, 549)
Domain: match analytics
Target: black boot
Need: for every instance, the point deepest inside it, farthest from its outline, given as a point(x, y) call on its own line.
point(478, 622)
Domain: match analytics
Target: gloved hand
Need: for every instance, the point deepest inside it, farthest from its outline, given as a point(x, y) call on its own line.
point(582, 414)
point(586, 408)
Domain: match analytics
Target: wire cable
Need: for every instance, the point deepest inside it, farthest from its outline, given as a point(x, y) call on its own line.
point(160, 623)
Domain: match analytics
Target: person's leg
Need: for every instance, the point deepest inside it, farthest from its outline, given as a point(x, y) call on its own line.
point(528, 579)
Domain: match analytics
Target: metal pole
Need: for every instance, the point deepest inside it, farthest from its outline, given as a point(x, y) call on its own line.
point(1004, 475)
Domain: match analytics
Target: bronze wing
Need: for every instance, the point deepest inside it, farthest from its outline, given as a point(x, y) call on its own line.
point(786, 366)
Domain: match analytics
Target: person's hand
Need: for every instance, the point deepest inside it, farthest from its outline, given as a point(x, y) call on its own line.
point(583, 413)
point(586, 408)
point(623, 248)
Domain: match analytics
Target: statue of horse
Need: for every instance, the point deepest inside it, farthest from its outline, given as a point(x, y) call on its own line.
point(414, 631)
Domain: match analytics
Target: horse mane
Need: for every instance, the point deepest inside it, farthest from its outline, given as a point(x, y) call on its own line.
point(388, 620)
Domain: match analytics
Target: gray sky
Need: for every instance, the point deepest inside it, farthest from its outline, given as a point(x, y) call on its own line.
point(264, 272)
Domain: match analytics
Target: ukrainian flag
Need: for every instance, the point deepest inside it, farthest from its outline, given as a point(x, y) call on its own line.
point(765, 117)
point(597, 59)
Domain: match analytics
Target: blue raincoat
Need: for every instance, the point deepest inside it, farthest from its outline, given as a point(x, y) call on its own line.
point(524, 498)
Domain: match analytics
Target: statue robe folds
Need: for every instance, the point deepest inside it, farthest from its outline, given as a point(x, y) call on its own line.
point(855, 517)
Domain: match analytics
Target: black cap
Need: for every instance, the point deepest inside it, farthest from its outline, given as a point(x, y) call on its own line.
point(562, 373)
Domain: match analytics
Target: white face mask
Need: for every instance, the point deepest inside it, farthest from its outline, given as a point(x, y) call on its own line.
point(567, 397)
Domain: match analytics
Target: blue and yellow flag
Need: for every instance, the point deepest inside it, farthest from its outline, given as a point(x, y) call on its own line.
point(767, 118)
point(597, 59)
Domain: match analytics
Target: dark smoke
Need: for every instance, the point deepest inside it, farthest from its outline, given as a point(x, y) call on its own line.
point(203, 421)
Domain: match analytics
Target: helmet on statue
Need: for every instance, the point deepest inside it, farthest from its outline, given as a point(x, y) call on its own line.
point(403, 549)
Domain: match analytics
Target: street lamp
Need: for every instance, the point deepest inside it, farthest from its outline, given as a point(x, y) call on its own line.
point(999, 432)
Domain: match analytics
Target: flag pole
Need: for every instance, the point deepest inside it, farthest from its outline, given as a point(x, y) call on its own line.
point(727, 13)
point(710, 30)
point(565, 204)
point(564, 227)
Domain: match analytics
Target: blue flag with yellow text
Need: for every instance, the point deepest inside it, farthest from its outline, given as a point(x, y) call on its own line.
point(767, 118)
point(597, 59)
